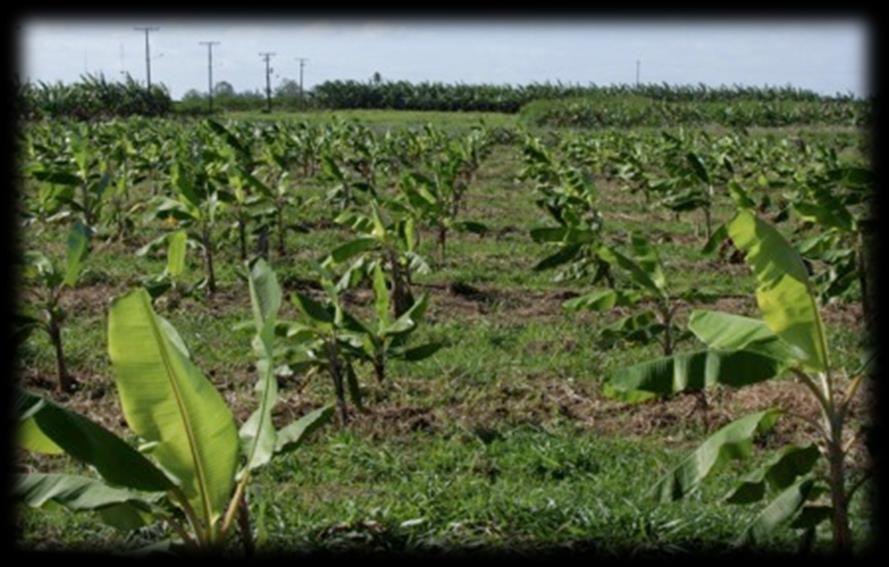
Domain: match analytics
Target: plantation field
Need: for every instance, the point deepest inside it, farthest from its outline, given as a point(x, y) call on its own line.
point(502, 439)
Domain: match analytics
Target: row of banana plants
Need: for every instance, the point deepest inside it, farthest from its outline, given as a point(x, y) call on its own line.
point(808, 484)
point(192, 471)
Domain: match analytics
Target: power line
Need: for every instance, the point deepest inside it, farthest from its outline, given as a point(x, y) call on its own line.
point(210, 45)
point(147, 54)
point(302, 62)
point(268, 85)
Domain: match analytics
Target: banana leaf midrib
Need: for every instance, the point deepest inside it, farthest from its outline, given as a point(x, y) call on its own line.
point(192, 445)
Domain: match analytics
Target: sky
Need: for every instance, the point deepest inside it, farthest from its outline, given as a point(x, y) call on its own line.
point(822, 55)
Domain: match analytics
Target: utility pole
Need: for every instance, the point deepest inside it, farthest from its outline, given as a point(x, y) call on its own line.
point(302, 62)
point(210, 45)
point(147, 54)
point(638, 63)
point(268, 84)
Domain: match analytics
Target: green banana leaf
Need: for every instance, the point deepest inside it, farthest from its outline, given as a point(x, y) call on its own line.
point(696, 371)
point(733, 441)
point(779, 472)
point(45, 427)
point(292, 436)
point(77, 248)
point(784, 292)
point(176, 242)
point(168, 402)
point(257, 435)
point(76, 493)
point(726, 331)
point(779, 511)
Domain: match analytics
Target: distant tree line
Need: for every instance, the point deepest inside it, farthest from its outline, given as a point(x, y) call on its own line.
point(95, 97)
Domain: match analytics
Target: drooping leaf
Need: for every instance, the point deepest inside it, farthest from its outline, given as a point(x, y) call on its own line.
point(733, 441)
point(381, 295)
point(168, 402)
point(599, 300)
point(784, 292)
point(565, 254)
point(716, 238)
point(77, 493)
point(779, 472)
point(698, 167)
point(695, 371)
point(352, 248)
point(311, 308)
point(726, 331)
point(292, 436)
point(637, 273)
point(420, 352)
point(779, 511)
point(46, 427)
point(647, 258)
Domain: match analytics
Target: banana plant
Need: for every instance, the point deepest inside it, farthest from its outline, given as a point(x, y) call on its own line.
point(836, 202)
point(53, 280)
point(649, 285)
point(385, 338)
point(435, 201)
point(330, 338)
point(194, 465)
point(393, 245)
point(569, 196)
point(83, 182)
point(326, 338)
point(790, 339)
point(197, 203)
point(691, 188)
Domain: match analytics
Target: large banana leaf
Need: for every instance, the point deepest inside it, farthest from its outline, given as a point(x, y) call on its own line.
point(77, 493)
point(258, 432)
point(48, 428)
point(784, 292)
point(733, 441)
point(779, 472)
point(779, 511)
point(735, 332)
point(696, 371)
point(168, 402)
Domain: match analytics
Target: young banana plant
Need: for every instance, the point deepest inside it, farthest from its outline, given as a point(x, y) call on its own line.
point(790, 339)
point(326, 338)
point(435, 201)
point(196, 206)
point(194, 466)
point(53, 281)
point(392, 245)
point(646, 275)
point(385, 338)
point(82, 184)
point(569, 196)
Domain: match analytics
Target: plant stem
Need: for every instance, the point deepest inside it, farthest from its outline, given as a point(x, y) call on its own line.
point(55, 335)
point(842, 536)
point(208, 258)
point(336, 372)
point(242, 236)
